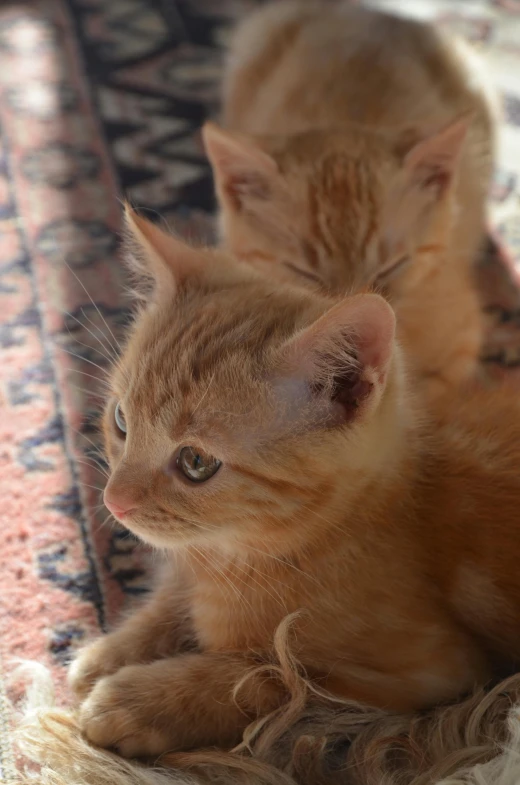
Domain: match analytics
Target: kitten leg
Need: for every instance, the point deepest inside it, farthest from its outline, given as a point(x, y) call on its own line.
point(177, 704)
point(160, 628)
point(187, 701)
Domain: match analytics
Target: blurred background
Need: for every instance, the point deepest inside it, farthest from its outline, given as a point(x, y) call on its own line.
point(101, 99)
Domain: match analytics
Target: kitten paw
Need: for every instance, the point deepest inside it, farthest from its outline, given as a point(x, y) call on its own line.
point(95, 661)
point(121, 714)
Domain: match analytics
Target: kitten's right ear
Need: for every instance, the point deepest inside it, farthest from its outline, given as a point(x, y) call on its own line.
point(157, 257)
point(431, 163)
point(344, 357)
point(243, 172)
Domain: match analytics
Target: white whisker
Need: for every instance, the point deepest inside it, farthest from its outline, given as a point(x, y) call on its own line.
point(96, 466)
point(109, 357)
point(85, 360)
point(205, 392)
point(116, 353)
point(95, 306)
point(90, 376)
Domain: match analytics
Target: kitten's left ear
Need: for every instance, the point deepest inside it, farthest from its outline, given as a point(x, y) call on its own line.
point(156, 255)
point(344, 357)
point(244, 173)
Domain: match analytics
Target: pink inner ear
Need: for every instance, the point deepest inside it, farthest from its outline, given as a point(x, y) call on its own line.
point(346, 353)
point(432, 162)
point(375, 343)
point(438, 179)
point(348, 392)
point(241, 168)
point(369, 322)
point(243, 185)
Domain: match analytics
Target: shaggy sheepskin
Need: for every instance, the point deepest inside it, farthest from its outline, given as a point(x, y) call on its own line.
point(310, 741)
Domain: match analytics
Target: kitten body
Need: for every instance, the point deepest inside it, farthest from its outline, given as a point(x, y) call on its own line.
point(364, 154)
point(392, 534)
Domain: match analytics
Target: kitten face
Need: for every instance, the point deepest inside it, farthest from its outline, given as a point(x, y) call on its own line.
point(344, 208)
point(192, 379)
point(231, 395)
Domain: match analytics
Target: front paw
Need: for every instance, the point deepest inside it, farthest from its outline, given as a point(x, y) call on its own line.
point(99, 659)
point(122, 713)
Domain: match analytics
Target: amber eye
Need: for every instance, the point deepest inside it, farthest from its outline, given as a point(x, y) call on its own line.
point(119, 417)
point(197, 466)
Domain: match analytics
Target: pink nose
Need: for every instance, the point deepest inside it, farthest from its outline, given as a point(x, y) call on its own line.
point(118, 505)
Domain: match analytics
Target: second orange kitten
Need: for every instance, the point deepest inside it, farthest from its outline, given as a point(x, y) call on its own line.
point(365, 156)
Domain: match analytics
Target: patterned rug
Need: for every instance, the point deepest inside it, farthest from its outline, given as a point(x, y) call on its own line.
point(100, 98)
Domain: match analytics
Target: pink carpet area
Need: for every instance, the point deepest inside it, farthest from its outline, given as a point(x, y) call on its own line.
point(100, 98)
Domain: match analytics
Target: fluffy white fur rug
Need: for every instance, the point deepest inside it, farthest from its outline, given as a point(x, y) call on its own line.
point(309, 742)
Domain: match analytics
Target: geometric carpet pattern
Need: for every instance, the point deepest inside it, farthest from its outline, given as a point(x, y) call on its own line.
point(101, 99)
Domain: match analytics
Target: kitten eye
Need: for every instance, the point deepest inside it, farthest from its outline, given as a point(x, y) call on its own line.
point(393, 267)
point(196, 466)
point(119, 417)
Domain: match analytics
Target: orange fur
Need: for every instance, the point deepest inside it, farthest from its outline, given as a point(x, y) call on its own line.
point(364, 156)
point(392, 534)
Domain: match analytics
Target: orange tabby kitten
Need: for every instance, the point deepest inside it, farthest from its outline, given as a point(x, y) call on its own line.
point(262, 436)
point(367, 157)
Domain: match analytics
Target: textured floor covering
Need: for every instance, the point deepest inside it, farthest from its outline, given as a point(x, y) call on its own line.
point(100, 98)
